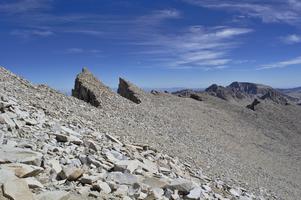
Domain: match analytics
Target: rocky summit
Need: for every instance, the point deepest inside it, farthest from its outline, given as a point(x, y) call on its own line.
point(101, 145)
point(243, 91)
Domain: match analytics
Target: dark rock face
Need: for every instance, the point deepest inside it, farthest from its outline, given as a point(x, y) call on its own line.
point(82, 91)
point(219, 91)
point(242, 90)
point(196, 97)
point(253, 104)
point(155, 92)
point(183, 93)
point(248, 88)
point(188, 93)
point(129, 91)
point(276, 97)
point(89, 89)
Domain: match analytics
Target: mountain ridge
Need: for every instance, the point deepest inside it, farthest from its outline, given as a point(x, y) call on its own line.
point(225, 139)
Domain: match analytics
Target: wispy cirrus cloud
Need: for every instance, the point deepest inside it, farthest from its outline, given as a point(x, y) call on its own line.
point(85, 32)
point(282, 64)
point(269, 11)
point(21, 6)
point(178, 48)
point(76, 50)
point(25, 33)
point(165, 14)
point(94, 24)
point(292, 39)
point(196, 47)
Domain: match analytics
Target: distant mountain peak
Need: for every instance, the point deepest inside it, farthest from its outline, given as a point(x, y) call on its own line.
point(242, 90)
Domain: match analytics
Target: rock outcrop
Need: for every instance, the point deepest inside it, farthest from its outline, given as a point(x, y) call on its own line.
point(83, 87)
point(253, 104)
point(249, 88)
point(196, 97)
point(89, 89)
point(189, 93)
point(219, 91)
point(129, 91)
point(276, 97)
point(184, 93)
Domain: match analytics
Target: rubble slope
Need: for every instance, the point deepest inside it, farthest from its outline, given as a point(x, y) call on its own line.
point(244, 148)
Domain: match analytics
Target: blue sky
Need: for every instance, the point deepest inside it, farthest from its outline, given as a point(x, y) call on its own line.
point(153, 43)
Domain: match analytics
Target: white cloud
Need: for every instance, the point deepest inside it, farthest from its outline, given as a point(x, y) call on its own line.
point(292, 39)
point(197, 47)
point(230, 32)
point(167, 13)
point(268, 11)
point(161, 44)
point(113, 26)
point(283, 64)
point(296, 4)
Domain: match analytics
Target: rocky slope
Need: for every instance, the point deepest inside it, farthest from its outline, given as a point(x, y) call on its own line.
point(44, 157)
point(243, 148)
point(293, 92)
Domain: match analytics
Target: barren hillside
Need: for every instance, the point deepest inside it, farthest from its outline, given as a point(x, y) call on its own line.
point(255, 149)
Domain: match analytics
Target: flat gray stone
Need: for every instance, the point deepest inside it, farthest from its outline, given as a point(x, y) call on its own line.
point(23, 170)
point(182, 185)
point(122, 178)
point(55, 165)
point(17, 189)
point(5, 119)
point(154, 182)
point(70, 131)
point(53, 195)
point(102, 187)
point(33, 183)
point(1, 137)
point(195, 193)
point(6, 175)
point(235, 192)
point(75, 140)
point(127, 165)
point(17, 155)
point(121, 191)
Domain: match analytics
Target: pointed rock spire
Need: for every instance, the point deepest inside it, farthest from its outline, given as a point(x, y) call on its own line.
point(130, 91)
point(88, 88)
